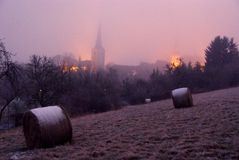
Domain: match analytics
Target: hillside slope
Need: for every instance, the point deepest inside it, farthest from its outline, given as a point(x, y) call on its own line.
point(209, 130)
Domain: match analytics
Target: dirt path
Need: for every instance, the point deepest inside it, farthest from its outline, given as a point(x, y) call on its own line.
point(209, 130)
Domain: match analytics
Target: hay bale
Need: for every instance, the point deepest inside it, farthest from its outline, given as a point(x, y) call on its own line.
point(46, 127)
point(147, 100)
point(182, 97)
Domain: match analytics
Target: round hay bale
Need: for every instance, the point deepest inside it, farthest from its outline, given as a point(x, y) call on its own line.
point(46, 127)
point(147, 100)
point(182, 97)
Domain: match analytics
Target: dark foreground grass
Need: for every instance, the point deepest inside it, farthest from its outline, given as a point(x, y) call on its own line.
point(209, 130)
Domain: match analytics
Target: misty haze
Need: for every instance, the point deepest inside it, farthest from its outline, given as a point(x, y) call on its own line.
point(118, 79)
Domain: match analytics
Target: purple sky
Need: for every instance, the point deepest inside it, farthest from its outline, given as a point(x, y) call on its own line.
point(133, 30)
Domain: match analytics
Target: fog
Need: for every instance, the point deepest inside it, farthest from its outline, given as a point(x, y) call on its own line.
point(132, 31)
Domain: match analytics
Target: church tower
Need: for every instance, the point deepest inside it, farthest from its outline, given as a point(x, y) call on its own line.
point(98, 53)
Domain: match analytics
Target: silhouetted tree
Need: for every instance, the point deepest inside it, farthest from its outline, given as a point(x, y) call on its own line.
point(9, 81)
point(219, 55)
point(198, 78)
point(92, 91)
point(220, 52)
point(134, 91)
point(45, 80)
point(179, 74)
point(160, 85)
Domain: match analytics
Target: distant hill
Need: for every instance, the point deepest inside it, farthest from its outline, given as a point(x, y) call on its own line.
point(143, 70)
point(208, 130)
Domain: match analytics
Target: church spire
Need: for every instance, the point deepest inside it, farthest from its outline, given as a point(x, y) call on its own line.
point(98, 38)
point(98, 53)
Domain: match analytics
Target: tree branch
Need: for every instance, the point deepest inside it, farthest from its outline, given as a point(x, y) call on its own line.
point(5, 106)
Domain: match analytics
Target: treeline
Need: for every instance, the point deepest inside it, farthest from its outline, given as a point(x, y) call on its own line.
point(221, 70)
point(42, 82)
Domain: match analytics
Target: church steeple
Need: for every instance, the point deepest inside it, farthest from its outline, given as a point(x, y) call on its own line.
point(98, 38)
point(98, 53)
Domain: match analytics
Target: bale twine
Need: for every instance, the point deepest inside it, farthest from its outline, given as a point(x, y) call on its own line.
point(182, 97)
point(46, 127)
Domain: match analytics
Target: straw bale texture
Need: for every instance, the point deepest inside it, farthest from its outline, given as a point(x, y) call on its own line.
point(46, 127)
point(182, 97)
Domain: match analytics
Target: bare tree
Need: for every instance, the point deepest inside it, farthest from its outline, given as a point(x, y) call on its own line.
point(9, 72)
point(45, 80)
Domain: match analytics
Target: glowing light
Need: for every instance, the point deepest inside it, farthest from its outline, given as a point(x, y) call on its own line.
point(74, 68)
point(70, 68)
point(175, 61)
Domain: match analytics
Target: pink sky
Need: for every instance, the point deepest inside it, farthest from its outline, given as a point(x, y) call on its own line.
point(133, 30)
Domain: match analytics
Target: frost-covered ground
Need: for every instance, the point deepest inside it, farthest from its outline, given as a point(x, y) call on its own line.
point(209, 130)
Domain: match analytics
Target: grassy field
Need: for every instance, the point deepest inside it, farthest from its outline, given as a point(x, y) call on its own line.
point(209, 130)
